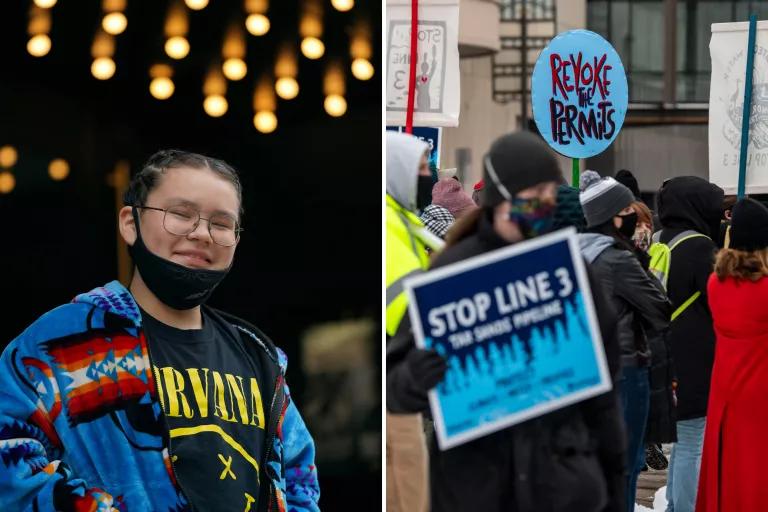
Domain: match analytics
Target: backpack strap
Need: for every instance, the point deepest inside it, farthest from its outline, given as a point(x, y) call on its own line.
point(684, 305)
point(682, 237)
point(677, 240)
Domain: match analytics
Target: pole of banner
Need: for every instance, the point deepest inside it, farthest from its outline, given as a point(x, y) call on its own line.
point(747, 110)
point(575, 173)
point(412, 72)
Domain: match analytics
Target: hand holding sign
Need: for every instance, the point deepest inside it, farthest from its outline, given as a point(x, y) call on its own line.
point(579, 93)
point(518, 331)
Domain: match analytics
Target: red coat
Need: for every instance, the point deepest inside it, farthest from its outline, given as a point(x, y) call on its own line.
point(733, 468)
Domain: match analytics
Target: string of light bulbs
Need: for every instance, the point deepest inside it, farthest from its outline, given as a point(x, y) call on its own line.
point(283, 82)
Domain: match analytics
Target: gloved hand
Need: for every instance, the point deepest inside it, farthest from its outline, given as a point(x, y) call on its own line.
point(427, 368)
point(409, 380)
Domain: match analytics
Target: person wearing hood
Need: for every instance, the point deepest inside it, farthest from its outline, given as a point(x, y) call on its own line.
point(409, 189)
point(569, 459)
point(735, 449)
point(642, 306)
point(690, 209)
point(145, 398)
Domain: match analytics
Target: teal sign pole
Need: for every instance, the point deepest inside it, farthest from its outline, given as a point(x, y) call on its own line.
point(747, 110)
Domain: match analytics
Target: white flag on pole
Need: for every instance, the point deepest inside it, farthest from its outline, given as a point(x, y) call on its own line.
point(437, 67)
point(728, 50)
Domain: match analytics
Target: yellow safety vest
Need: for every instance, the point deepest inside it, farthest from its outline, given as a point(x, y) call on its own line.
point(406, 256)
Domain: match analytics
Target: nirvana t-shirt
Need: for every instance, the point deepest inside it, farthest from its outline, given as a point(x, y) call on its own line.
point(209, 388)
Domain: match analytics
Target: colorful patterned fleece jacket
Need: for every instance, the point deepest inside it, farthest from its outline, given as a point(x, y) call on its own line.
point(81, 428)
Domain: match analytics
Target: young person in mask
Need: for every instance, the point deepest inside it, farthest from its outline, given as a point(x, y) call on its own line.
point(570, 459)
point(145, 398)
point(661, 414)
point(409, 190)
point(642, 306)
point(690, 209)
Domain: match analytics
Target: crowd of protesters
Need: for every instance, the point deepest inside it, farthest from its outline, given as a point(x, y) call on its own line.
point(679, 291)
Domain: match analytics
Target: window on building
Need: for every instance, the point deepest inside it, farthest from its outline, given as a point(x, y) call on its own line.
point(636, 30)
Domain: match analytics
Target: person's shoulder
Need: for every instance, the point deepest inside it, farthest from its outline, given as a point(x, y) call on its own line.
point(464, 249)
point(692, 239)
point(65, 320)
point(700, 240)
point(246, 330)
point(618, 256)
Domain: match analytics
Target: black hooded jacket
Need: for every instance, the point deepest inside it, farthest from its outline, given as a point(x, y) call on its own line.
point(691, 203)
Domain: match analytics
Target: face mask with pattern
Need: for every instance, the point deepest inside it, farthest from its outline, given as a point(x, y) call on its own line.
point(642, 239)
point(532, 216)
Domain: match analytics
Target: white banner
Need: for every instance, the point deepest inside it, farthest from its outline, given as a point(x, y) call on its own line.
point(728, 50)
point(437, 93)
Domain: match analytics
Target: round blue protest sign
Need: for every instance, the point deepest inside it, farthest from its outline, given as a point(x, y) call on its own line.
point(579, 93)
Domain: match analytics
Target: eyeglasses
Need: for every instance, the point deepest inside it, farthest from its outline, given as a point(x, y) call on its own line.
point(183, 220)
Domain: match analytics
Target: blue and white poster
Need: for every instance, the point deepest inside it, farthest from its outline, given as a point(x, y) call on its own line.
point(518, 329)
point(429, 135)
point(579, 93)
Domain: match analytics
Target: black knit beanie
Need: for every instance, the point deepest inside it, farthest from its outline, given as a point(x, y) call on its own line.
point(519, 161)
point(628, 179)
point(749, 226)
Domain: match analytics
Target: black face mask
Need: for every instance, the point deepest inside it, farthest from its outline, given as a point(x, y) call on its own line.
point(175, 285)
point(424, 192)
point(628, 225)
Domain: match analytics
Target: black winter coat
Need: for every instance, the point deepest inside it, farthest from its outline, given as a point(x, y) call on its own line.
point(690, 203)
point(662, 414)
point(641, 304)
point(571, 459)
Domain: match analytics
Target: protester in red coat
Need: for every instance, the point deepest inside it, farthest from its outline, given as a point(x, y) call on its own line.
point(733, 476)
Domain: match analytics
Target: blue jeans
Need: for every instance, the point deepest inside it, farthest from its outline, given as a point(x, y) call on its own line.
point(635, 393)
point(684, 465)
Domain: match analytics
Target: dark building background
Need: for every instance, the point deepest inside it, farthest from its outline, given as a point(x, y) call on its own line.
point(310, 252)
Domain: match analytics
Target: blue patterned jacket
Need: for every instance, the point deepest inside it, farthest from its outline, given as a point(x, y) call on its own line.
point(81, 427)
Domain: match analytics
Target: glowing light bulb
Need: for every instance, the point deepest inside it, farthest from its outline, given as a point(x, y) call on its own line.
point(7, 182)
point(45, 4)
point(177, 47)
point(335, 105)
point(287, 87)
point(265, 121)
point(215, 105)
point(343, 5)
point(234, 69)
point(114, 23)
point(39, 45)
point(362, 69)
point(312, 47)
point(257, 24)
point(161, 88)
point(58, 169)
point(196, 5)
point(8, 156)
point(103, 68)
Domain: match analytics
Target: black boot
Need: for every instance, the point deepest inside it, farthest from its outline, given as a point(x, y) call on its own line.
point(655, 458)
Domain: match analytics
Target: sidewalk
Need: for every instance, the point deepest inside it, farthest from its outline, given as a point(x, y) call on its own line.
point(651, 481)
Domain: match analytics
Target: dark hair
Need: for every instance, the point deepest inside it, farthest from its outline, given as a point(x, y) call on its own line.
point(728, 202)
point(147, 179)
